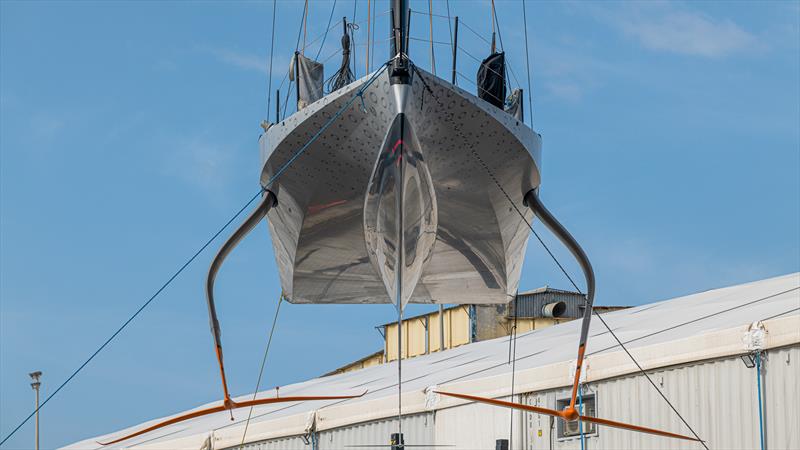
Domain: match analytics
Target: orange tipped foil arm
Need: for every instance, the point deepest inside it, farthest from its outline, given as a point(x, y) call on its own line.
point(228, 405)
point(267, 202)
point(569, 414)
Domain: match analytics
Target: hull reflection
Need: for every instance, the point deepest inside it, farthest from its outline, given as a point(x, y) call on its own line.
point(400, 215)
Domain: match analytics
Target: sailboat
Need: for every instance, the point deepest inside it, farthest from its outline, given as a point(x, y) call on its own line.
point(401, 187)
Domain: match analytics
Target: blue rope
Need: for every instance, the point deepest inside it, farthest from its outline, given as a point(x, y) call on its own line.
point(760, 409)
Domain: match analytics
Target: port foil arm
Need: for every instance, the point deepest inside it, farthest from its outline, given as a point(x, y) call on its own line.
point(534, 203)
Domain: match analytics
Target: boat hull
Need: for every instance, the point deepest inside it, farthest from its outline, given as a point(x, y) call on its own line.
point(477, 155)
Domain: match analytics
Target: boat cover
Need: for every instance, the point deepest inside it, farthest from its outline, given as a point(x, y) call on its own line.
point(492, 79)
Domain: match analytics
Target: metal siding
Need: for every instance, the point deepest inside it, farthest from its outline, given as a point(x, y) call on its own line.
point(288, 443)
point(418, 429)
point(530, 305)
point(718, 398)
point(477, 426)
point(782, 398)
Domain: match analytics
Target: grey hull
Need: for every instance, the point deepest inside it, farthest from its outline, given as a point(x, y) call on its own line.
point(318, 231)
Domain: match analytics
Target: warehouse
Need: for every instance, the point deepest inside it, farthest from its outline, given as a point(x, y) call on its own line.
point(697, 349)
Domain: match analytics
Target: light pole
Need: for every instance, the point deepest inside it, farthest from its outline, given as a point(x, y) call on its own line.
point(35, 385)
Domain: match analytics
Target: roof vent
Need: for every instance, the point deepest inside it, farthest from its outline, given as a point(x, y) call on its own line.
point(555, 309)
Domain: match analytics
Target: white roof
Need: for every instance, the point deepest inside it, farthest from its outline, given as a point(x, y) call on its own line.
point(699, 326)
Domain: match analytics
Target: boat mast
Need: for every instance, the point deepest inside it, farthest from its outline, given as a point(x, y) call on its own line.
point(400, 72)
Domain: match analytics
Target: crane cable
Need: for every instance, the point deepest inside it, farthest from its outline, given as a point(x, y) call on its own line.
point(263, 363)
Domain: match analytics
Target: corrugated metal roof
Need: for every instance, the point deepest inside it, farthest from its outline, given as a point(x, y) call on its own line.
point(673, 323)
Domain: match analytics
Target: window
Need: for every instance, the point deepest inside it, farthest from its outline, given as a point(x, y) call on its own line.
point(572, 429)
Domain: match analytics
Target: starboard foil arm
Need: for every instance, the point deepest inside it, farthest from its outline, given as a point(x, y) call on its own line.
point(535, 204)
point(267, 202)
point(566, 416)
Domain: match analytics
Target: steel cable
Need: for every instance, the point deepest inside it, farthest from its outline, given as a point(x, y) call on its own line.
point(263, 363)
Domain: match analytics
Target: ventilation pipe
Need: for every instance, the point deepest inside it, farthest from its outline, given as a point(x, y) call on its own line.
point(554, 310)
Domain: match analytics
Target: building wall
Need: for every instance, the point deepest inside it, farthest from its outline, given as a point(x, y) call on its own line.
point(415, 334)
point(718, 398)
point(418, 429)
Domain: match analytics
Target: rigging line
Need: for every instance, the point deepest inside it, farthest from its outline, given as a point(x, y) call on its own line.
point(492, 11)
point(321, 35)
point(527, 64)
point(499, 33)
point(423, 13)
point(263, 363)
point(449, 23)
point(479, 61)
point(369, 36)
point(651, 381)
point(325, 36)
point(430, 21)
point(427, 40)
point(372, 37)
point(300, 29)
point(271, 53)
point(286, 102)
point(353, 39)
point(465, 25)
point(138, 311)
point(473, 83)
point(642, 371)
point(305, 26)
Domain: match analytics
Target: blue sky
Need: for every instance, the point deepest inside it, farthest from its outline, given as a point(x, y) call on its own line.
point(128, 134)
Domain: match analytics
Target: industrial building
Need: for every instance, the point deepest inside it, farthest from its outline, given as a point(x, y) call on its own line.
point(459, 325)
point(728, 359)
